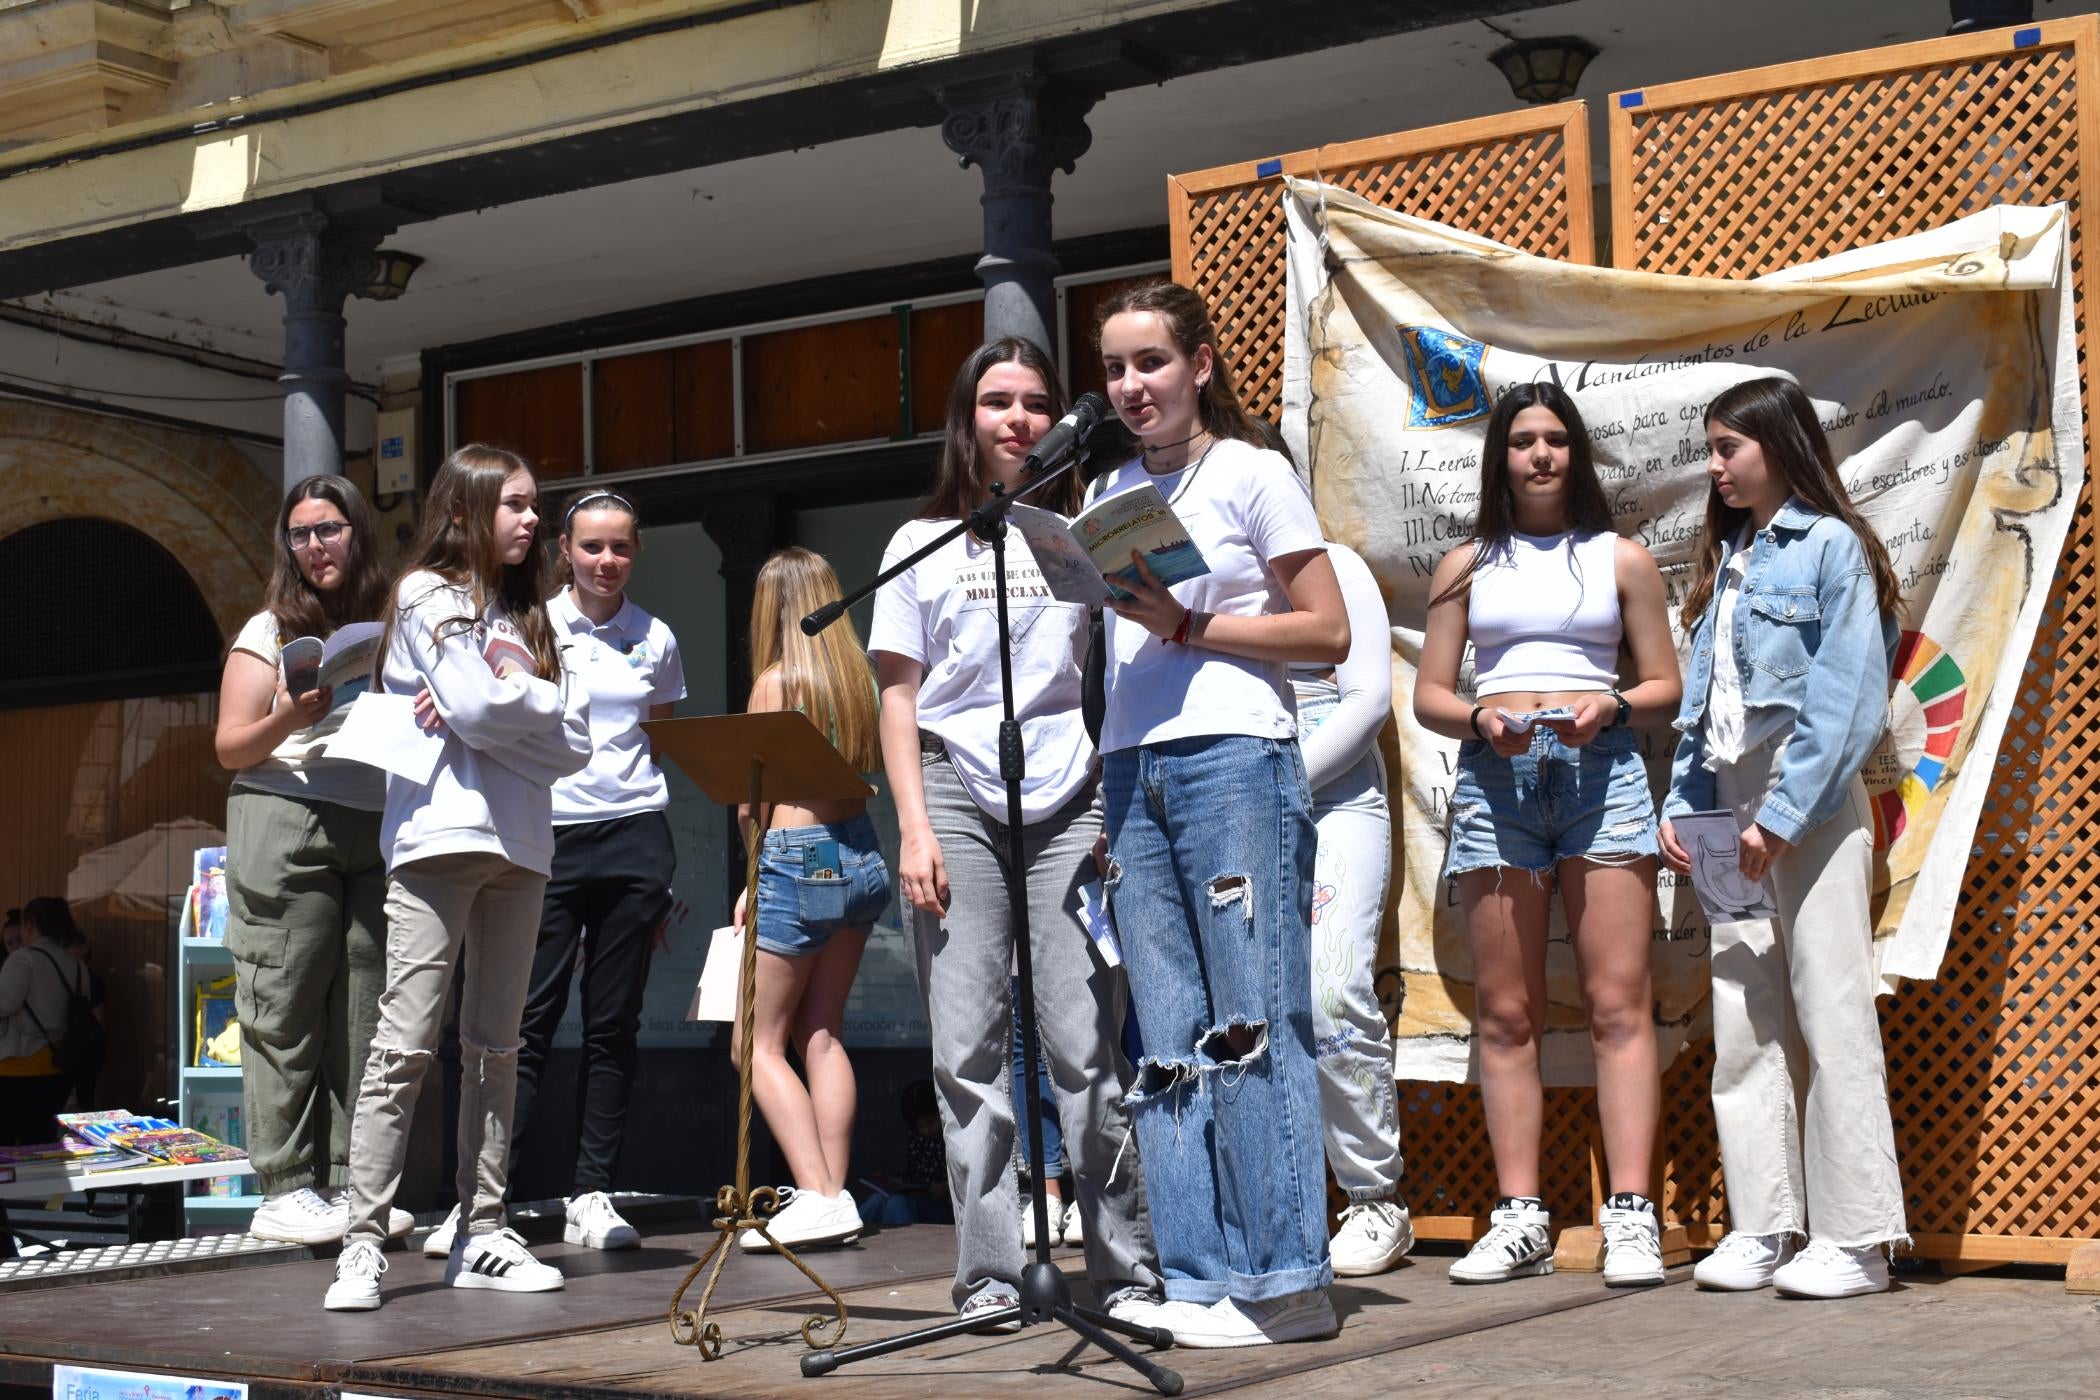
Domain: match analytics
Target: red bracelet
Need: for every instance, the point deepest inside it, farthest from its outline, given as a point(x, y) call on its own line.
point(1181, 633)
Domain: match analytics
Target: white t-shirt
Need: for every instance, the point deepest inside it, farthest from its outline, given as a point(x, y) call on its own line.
point(628, 665)
point(943, 614)
point(1243, 507)
point(1731, 731)
point(300, 766)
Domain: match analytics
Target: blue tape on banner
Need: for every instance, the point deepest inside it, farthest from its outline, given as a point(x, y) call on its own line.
point(1630, 99)
point(2026, 38)
point(1268, 168)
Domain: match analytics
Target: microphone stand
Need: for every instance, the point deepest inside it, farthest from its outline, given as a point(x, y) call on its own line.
point(1046, 1294)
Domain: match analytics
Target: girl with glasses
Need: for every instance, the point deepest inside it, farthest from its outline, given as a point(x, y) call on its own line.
point(305, 879)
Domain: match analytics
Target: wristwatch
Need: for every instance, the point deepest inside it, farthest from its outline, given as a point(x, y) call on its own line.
point(1625, 709)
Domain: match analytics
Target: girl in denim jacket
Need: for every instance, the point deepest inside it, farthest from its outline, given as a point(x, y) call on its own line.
point(1792, 617)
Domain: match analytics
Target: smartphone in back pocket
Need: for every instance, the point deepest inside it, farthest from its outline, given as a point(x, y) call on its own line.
point(820, 860)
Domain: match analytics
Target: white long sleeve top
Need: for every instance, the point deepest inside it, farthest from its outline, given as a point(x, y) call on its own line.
point(1348, 733)
point(507, 739)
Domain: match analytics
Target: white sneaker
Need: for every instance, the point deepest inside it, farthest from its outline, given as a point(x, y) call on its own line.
point(594, 1224)
point(1075, 1233)
point(807, 1219)
point(337, 1201)
point(1138, 1308)
point(1825, 1270)
point(1517, 1245)
point(1743, 1261)
point(1231, 1323)
point(357, 1271)
point(1632, 1241)
point(1373, 1237)
point(1055, 1209)
point(501, 1261)
point(438, 1243)
point(299, 1217)
point(991, 1301)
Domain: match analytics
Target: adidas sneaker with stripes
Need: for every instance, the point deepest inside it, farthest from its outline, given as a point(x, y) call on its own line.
point(501, 1262)
point(1518, 1244)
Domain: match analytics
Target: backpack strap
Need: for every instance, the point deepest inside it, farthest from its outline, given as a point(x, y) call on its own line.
point(73, 990)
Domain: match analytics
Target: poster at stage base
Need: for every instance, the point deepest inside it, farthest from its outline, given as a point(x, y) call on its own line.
point(98, 1383)
point(1944, 368)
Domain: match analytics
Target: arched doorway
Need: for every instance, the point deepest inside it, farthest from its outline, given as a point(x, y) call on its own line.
point(128, 554)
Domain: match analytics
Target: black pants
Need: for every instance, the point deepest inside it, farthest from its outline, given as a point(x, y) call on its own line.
point(609, 893)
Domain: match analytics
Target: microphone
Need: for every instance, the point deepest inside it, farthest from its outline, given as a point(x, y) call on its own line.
point(1065, 438)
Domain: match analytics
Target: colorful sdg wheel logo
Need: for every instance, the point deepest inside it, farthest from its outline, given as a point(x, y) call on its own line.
point(1925, 717)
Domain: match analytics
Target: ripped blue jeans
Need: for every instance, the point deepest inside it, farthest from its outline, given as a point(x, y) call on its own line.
point(1211, 847)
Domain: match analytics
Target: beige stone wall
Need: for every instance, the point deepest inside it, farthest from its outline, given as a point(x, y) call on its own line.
point(206, 503)
point(70, 91)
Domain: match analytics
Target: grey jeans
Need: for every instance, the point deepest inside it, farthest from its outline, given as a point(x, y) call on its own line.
point(436, 906)
point(964, 961)
point(305, 885)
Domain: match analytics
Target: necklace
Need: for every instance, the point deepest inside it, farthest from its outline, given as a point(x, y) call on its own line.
point(1188, 473)
point(1165, 445)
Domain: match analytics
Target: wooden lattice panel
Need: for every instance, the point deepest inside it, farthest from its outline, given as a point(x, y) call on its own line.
point(1992, 1067)
point(1450, 1182)
point(1523, 179)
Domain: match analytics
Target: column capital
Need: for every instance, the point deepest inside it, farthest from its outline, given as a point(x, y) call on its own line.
point(312, 260)
point(1017, 128)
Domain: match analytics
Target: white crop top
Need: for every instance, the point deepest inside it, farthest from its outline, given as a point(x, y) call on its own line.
point(1543, 614)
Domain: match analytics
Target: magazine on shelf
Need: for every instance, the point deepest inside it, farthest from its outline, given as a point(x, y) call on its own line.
point(73, 1153)
point(1088, 560)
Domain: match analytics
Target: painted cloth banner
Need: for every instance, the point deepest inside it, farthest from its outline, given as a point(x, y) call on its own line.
point(1944, 367)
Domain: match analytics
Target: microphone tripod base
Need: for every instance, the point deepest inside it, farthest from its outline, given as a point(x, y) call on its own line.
point(1046, 1297)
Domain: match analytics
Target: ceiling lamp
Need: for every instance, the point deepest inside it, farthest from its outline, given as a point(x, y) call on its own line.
point(1544, 70)
point(390, 279)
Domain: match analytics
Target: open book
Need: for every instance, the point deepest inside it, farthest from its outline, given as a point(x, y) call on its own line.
point(343, 662)
point(1087, 560)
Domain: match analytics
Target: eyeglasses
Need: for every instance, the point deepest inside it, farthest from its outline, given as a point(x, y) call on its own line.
point(327, 532)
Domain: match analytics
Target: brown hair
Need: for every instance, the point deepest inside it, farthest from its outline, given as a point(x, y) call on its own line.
point(1585, 510)
point(1781, 419)
point(590, 498)
point(300, 609)
point(825, 676)
point(960, 479)
point(457, 542)
point(1182, 312)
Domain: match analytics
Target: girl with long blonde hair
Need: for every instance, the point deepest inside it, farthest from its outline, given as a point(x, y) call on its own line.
point(821, 885)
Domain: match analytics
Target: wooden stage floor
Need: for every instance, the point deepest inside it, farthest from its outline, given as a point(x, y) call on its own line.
point(1409, 1332)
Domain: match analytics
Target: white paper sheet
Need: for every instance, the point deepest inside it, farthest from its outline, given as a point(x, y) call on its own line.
point(1714, 842)
point(381, 730)
point(715, 996)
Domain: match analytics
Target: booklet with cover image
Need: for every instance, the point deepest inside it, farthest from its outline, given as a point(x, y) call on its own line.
point(1088, 559)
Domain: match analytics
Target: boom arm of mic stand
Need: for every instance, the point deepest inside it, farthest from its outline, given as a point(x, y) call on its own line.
point(984, 519)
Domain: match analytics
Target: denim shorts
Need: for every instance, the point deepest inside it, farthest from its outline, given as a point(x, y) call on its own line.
point(797, 912)
point(1550, 804)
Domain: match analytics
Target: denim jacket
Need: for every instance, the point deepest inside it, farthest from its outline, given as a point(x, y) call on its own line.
point(1805, 628)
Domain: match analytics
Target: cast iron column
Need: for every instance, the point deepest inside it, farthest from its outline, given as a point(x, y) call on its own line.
point(1018, 129)
point(314, 262)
